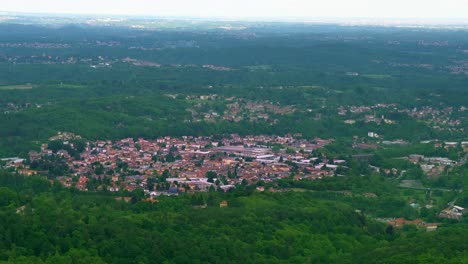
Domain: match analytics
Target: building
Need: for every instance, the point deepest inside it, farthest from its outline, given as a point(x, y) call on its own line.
point(223, 204)
point(454, 212)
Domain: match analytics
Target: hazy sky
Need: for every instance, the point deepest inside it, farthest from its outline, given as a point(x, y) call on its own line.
point(427, 9)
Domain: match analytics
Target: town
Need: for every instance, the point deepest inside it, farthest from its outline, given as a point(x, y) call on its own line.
point(169, 165)
point(172, 165)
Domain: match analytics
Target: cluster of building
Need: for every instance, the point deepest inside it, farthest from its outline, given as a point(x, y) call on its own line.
point(432, 166)
point(442, 118)
point(355, 109)
point(453, 212)
point(238, 109)
point(192, 164)
point(439, 118)
point(369, 113)
point(35, 45)
point(216, 67)
point(401, 222)
point(141, 63)
point(459, 67)
point(11, 107)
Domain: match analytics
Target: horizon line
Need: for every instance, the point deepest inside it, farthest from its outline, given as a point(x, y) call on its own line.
point(296, 19)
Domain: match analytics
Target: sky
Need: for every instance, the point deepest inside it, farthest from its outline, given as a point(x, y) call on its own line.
point(279, 9)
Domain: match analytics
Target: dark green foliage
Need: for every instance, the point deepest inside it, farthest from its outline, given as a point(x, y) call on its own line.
point(47, 224)
point(53, 166)
point(306, 69)
point(257, 228)
point(448, 245)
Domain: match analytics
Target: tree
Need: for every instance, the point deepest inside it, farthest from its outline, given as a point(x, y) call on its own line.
point(137, 195)
point(211, 188)
point(290, 151)
point(170, 157)
point(150, 182)
point(79, 145)
point(211, 175)
point(99, 170)
point(55, 145)
point(7, 196)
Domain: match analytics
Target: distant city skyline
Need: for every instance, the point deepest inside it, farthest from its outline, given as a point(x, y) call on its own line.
point(251, 9)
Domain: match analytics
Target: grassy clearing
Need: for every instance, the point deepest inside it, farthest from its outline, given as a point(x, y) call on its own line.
point(310, 86)
point(66, 86)
point(377, 76)
point(16, 87)
point(259, 68)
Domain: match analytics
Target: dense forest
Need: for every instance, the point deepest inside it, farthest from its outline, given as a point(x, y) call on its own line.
point(118, 82)
point(44, 223)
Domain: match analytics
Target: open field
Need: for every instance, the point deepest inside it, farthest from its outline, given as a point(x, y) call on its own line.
point(16, 87)
point(259, 68)
point(310, 86)
point(377, 76)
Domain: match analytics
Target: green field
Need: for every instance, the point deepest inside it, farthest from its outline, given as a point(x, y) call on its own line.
point(377, 76)
point(259, 68)
point(310, 86)
point(16, 87)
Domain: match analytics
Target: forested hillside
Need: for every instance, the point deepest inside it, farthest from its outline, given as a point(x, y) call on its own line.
point(118, 82)
point(45, 223)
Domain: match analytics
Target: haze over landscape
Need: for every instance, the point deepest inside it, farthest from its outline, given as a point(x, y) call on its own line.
point(274, 9)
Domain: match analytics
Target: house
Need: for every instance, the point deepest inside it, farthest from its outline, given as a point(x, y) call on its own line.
point(226, 188)
point(400, 222)
point(454, 212)
point(450, 144)
point(223, 204)
point(81, 184)
point(125, 199)
point(203, 206)
point(27, 172)
point(113, 188)
point(33, 155)
point(370, 195)
point(173, 190)
point(464, 145)
point(151, 200)
point(430, 227)
point(13, 162)
point(20, 210)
